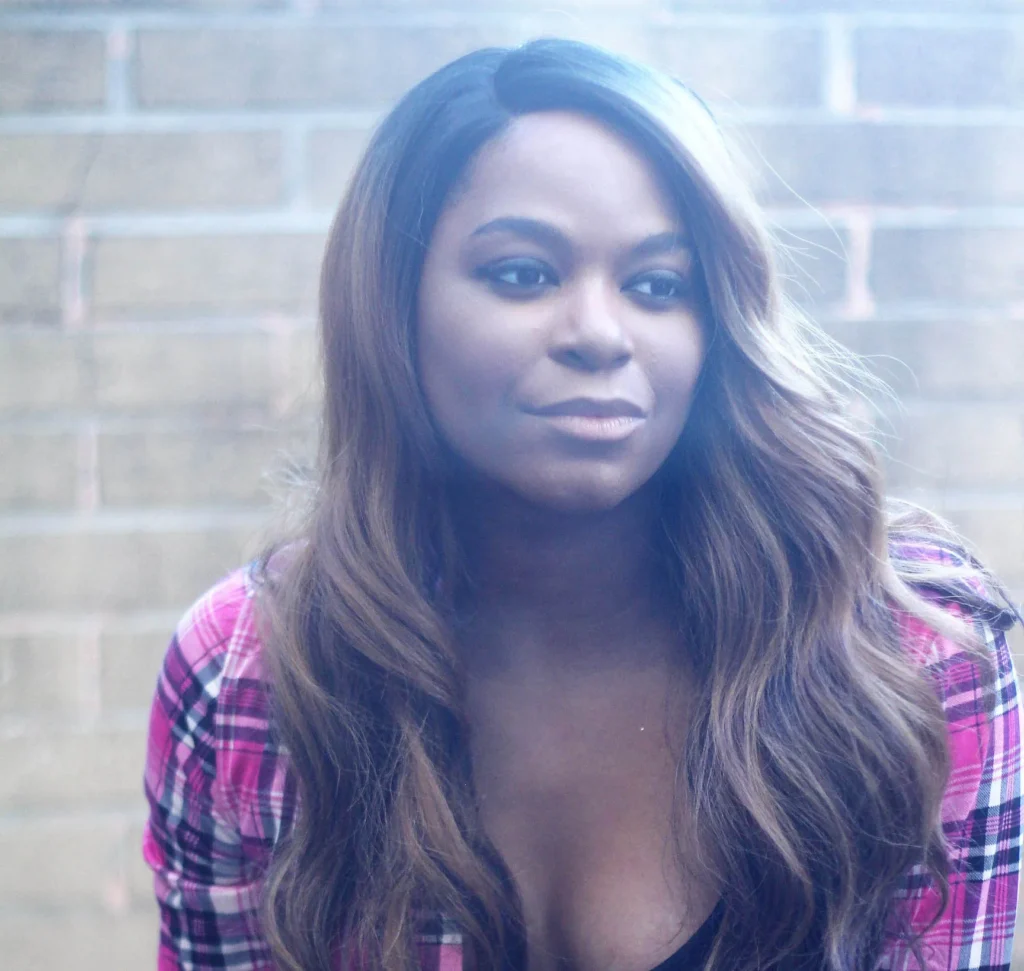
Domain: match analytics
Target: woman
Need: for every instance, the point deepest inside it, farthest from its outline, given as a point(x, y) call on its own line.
point(597, 649)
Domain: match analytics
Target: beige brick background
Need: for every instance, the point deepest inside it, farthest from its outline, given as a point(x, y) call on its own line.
point(167, 174)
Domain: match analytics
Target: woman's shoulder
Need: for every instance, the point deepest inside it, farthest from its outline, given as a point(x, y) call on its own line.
point(960, 640)
point(962, 611)
point(219, 793)
point(213, 699)
point(955, 627)
point(216, 651)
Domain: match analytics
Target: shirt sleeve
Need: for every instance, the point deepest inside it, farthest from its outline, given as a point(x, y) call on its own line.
point(208, 897)
point(981, 821)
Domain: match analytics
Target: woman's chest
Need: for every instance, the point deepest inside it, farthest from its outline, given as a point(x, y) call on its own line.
point(579, 796)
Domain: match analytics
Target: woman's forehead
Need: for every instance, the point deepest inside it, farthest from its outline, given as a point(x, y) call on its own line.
point(564, 168)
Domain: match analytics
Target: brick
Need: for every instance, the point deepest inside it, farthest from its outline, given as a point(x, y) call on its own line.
point(883, 164)
point(302, 393)
point(64, 861)
point(813, 264)
point(331, 158)
point(129, 570)
point(998, 536)
point(214, 371)
point(293, 67)
point(1015, 638)
point(973, 359)
point(83, 941)
point(150, 4)
point(137, 871)
point(846, 6)
point(143, 170)
point(76, 771)
point(983, 266)
point(751, 65)
point(188, 276)
point(946, 165)
point(40, 675)
point(29, 280)
point(130, 659)
point(202, 466)
point(756, 66)
point(371, 66)
point(953, 66)
point(39, 470)
point(954, 446)
point(43, 371)
point(687, 6)
point(42, 71)
point(516, 6)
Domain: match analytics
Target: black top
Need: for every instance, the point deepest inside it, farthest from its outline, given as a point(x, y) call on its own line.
point(695, 951)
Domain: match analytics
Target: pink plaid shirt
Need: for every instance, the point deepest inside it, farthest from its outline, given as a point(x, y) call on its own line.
point(221, 797)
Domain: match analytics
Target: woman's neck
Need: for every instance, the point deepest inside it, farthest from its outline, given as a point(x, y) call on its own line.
point(552, 588)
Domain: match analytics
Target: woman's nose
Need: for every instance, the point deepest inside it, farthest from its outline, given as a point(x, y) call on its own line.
point(591, 334)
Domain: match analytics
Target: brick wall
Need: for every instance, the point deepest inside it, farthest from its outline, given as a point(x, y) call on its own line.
point(167, 174)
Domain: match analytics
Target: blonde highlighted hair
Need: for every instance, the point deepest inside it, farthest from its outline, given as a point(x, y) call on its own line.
point(816, 761)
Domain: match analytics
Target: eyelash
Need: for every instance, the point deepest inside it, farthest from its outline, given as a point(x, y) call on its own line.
point(493, 273)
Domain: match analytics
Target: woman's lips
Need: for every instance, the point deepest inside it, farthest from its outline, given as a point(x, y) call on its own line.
point(594, 419)
point(595, 428)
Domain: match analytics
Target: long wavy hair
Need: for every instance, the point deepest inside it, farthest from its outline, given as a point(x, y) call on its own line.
point(816, 760)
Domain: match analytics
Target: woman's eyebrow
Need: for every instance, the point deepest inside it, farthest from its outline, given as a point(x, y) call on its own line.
point(658, 245)
point(550, 236)
point(533, 229)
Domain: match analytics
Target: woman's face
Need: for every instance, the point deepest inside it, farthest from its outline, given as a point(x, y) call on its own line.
point(558, 332)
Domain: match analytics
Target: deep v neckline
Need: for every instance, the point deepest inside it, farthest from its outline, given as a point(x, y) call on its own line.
point(693, 953)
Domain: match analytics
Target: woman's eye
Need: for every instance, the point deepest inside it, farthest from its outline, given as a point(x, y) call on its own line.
point(520, 277)
point(659, 288)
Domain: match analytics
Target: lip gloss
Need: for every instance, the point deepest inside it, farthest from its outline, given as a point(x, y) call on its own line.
point(595, 428)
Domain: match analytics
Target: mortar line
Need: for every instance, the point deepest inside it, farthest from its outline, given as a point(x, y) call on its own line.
point(87, 486)
point(278, 222)
point(251, 119)
point(120, 48)
point(48, 623)
point(840, 94)
point(145, 520)
point(308, 13)
point(240, 119)
point(273, 222)
point(73, 234)
point(859, 301)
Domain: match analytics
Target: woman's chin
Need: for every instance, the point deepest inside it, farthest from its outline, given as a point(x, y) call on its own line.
point(553, 487)
point(580, 496)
